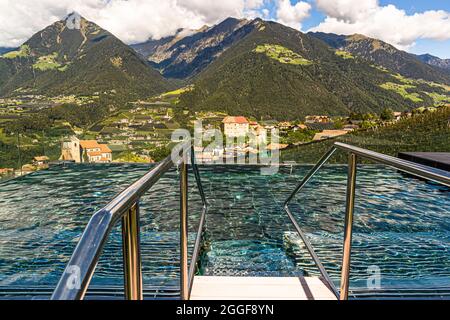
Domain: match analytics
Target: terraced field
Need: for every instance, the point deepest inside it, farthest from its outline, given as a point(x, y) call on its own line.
point(282, 54)
point(344, 54)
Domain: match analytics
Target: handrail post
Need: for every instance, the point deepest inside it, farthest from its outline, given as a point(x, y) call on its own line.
point(348, 231)
point(132, 254)
point(184, 275)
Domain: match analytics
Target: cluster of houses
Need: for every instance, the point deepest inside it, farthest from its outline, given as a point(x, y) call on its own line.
point(252, 135)
point(236, 127)
point(141, 127)
point(38, 163)
point(240, 127)
point(85, 151)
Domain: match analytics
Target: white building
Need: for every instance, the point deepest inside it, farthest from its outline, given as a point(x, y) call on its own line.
point(258, 134)
point(236, 127)
point(82, 151)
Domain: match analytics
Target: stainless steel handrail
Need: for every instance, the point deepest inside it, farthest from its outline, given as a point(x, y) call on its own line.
point(77, 276)
point(418, 170)
point(305, 240)
point(188, 272)
point(201, 227)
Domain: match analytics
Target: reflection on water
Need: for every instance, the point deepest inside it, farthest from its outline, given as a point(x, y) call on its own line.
point(402, 225)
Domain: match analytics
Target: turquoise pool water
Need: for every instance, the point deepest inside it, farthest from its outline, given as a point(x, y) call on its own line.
point(402, 225)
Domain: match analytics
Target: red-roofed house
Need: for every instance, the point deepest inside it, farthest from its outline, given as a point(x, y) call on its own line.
point(86, 151)
point(95, 152)
point(236, 126)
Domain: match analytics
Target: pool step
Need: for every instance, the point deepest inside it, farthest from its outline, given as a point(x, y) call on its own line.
point(249, 258)
point(257, 288)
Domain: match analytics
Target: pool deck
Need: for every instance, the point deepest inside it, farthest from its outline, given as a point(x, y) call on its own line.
point(257, 288)
point(439, 160)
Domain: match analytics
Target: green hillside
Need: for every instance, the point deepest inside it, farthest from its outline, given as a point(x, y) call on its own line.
point(85, 60)
point(278, 72)
point(429, 132)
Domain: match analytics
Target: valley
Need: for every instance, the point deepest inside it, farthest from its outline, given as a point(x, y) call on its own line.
point(86, 83)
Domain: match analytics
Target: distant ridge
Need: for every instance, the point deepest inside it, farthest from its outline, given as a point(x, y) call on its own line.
point(385, 55)
point(186, 54)
point(5, 50)
point(435, 61)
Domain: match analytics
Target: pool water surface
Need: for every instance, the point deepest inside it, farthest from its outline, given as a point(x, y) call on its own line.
point(402, 225)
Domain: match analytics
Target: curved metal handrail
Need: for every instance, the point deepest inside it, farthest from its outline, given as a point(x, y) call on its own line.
point(417, 170)
point(77, 276)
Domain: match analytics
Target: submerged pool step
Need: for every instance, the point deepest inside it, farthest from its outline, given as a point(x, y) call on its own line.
point(248, 258)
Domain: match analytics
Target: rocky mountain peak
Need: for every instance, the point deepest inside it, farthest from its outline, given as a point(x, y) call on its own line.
point(74, 20)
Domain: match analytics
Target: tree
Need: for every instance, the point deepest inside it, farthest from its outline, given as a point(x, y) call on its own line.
point(387, 114)
point(339, 124)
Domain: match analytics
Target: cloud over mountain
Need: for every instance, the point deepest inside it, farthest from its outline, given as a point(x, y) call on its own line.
point(292, 15)
point(131, 21)
point(387, 23)
point(135, 21)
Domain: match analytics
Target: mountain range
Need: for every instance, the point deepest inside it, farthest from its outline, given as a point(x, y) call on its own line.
point(188, 52)
point(387, 56)
point(255, 68)
point(267, 70)
point(82, 59)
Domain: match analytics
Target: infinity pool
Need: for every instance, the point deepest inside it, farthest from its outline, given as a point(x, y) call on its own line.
point(402, 226)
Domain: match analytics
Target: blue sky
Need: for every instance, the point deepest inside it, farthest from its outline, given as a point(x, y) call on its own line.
point(440, 48)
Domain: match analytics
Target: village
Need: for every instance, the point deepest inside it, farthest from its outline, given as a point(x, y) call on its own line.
point(142, 134)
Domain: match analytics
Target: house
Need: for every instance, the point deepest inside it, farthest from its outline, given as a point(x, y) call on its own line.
point(277, 146)
point(6, 171)
point(318, 119)
point(351, 127)
point(41, 161)
point(82, 151)
point(235, 127)
point(329, 134)
point(258, 134)
point(270, 124)
point(253, 125)
point(93, 152)
point(285, 125)
point(301, 127)
point(28, 168)
point(398, 116)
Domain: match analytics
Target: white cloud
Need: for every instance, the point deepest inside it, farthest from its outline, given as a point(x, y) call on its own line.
point(347, 10)
point(387, 23)
point(130, 20)
point(292, 15)
point(137, 20)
